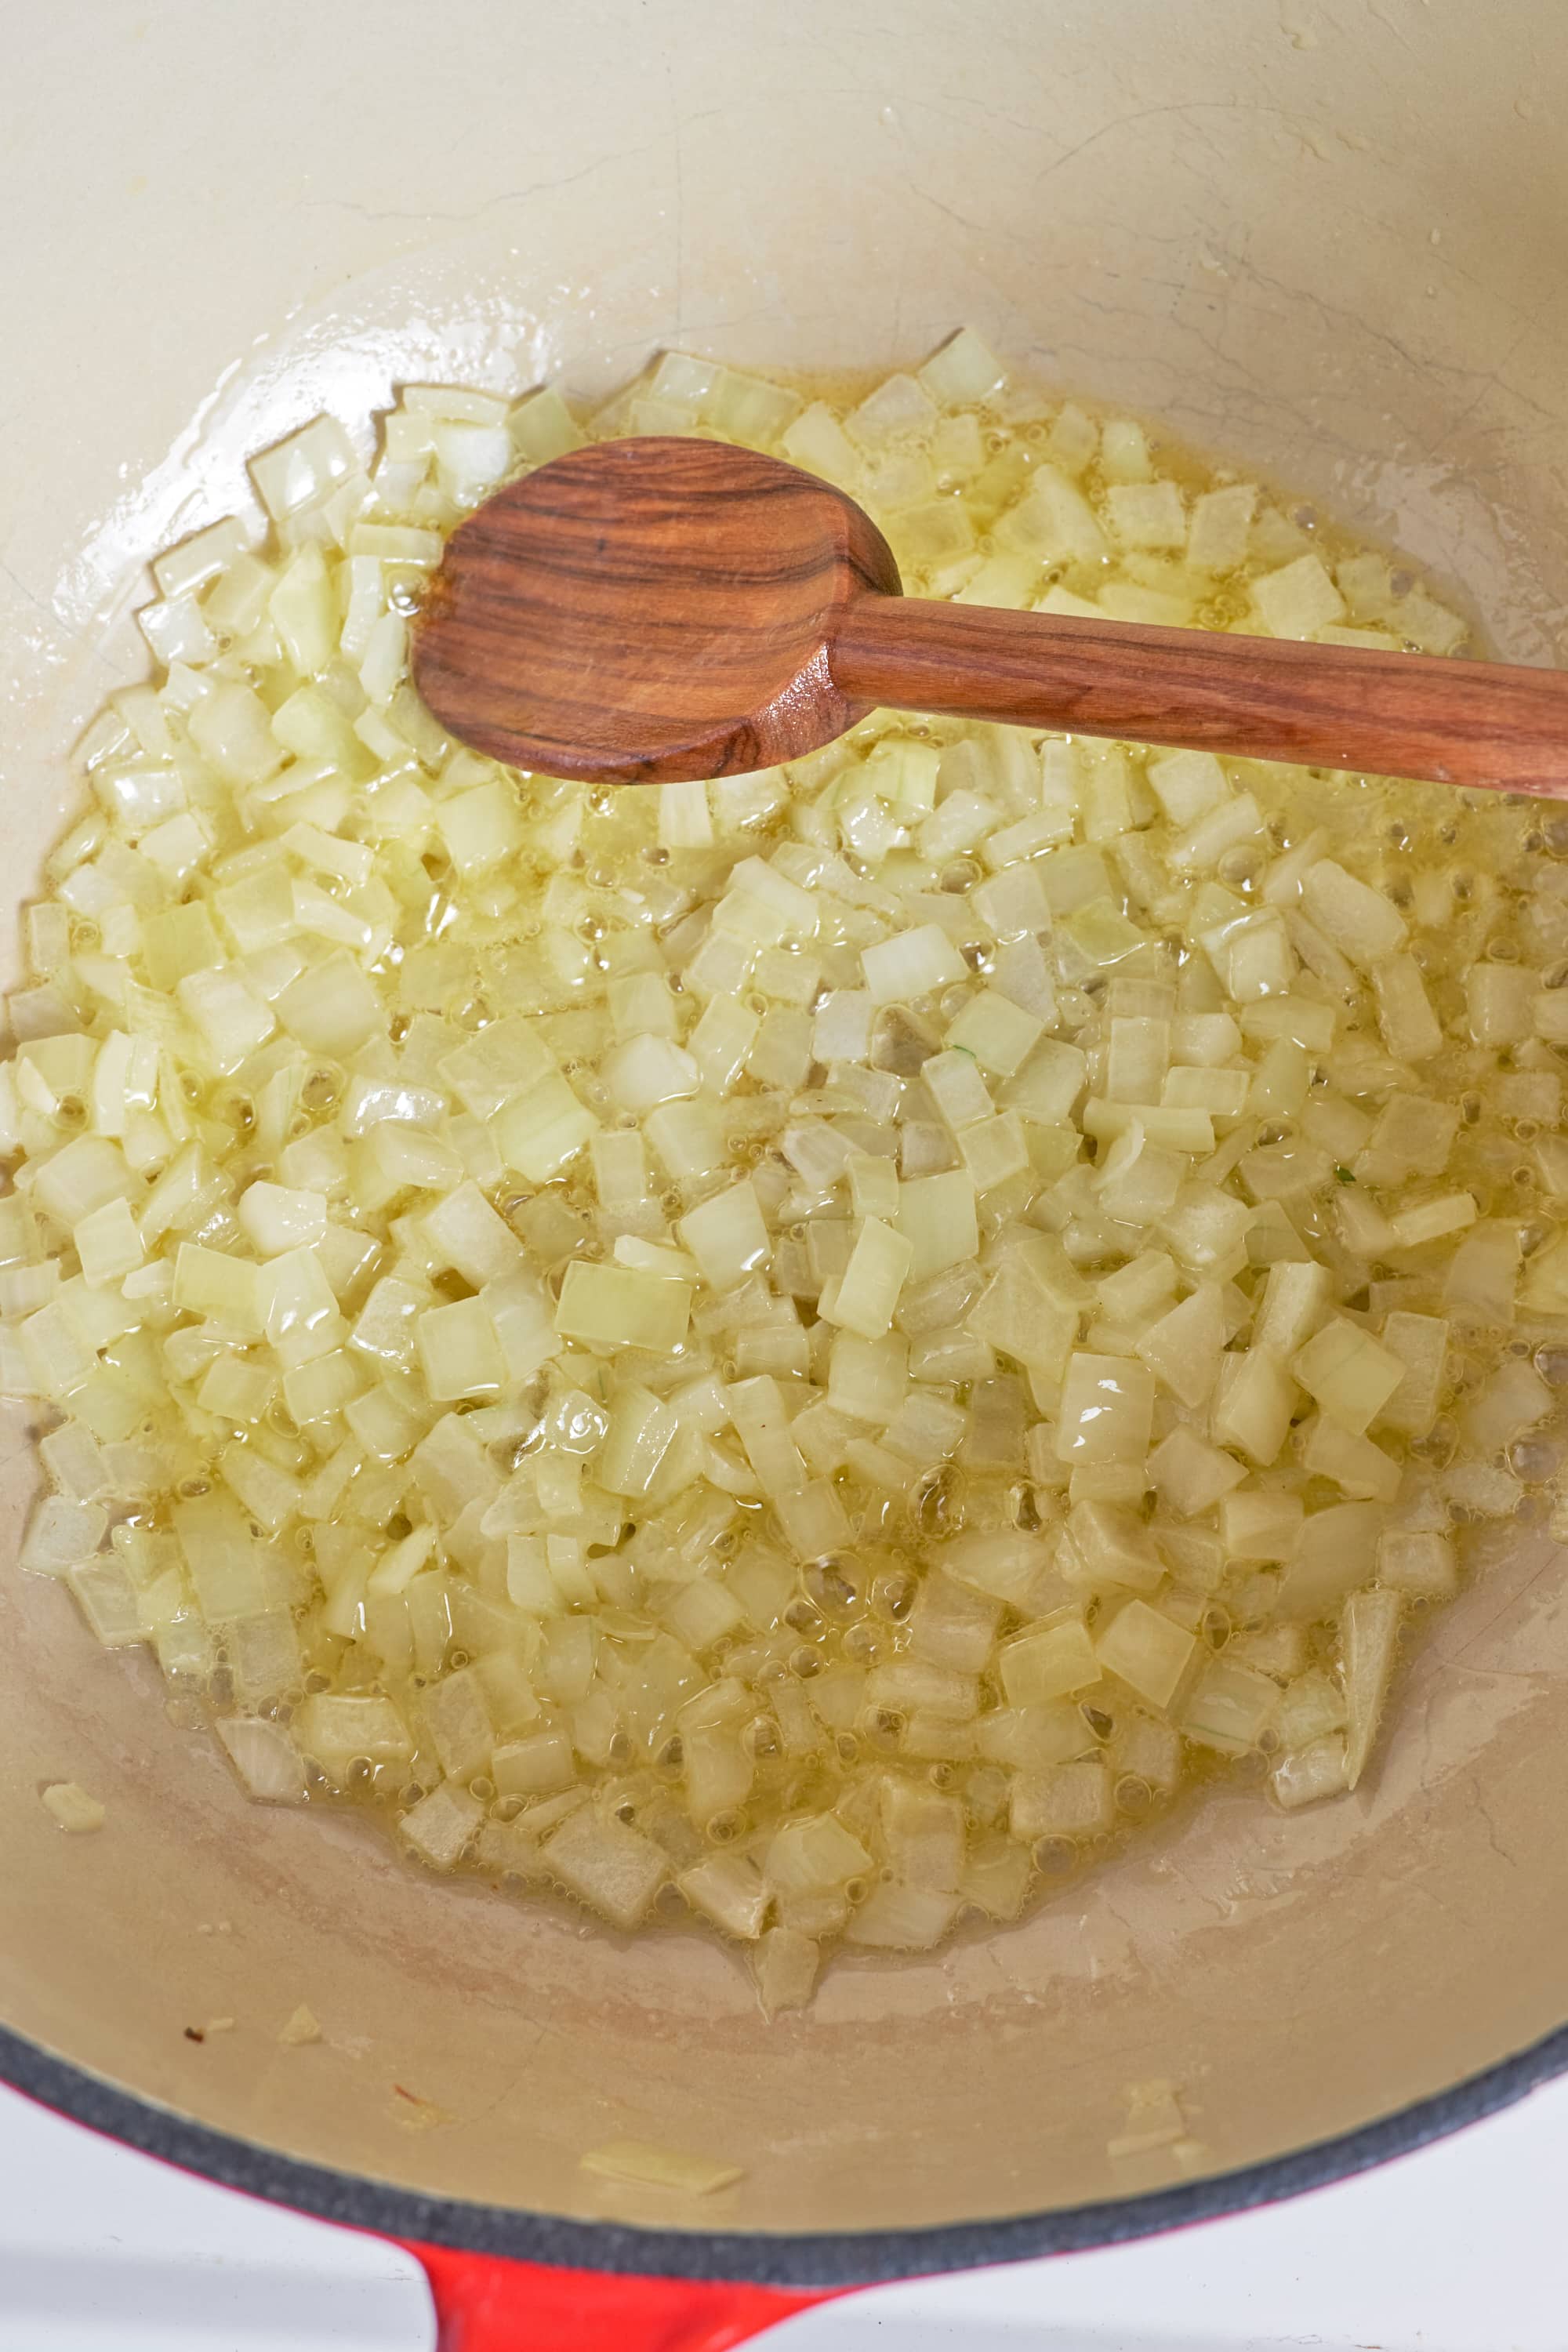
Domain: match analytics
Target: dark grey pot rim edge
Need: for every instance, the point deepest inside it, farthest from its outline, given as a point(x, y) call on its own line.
point(802, 2260)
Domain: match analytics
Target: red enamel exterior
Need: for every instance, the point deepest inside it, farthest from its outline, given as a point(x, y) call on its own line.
point(484, 2303)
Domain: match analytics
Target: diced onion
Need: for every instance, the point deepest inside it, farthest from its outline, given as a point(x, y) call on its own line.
point(72, 1808)
point(659, 2168)
point(795, 1349)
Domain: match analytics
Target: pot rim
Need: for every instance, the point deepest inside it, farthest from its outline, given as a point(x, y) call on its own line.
point(805, 2259)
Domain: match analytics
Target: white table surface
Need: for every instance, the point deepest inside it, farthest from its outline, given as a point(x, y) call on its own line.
point(1461, 2248)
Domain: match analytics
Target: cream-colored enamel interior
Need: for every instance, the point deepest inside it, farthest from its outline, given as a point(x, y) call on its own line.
point(1324, 237)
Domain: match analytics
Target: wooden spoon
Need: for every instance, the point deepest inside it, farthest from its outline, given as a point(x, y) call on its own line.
point(644, 611)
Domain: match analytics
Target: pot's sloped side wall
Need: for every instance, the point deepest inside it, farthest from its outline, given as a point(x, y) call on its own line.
point(1337, 254)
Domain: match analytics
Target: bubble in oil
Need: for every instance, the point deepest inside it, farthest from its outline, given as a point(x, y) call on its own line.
point(1054, 1857)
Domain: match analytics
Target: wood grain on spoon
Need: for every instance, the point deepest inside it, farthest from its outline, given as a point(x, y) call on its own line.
point(645, 611)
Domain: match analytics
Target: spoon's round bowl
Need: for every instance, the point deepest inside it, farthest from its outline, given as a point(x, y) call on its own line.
point(1335, 251)
point(649, 610)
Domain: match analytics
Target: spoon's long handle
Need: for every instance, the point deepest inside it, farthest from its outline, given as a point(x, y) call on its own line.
point(1455, 722)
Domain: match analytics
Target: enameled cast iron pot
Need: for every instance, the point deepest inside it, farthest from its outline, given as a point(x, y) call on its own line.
point(1330, 243)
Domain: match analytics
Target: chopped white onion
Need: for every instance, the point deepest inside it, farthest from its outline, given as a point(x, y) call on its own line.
point(769, 1345)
